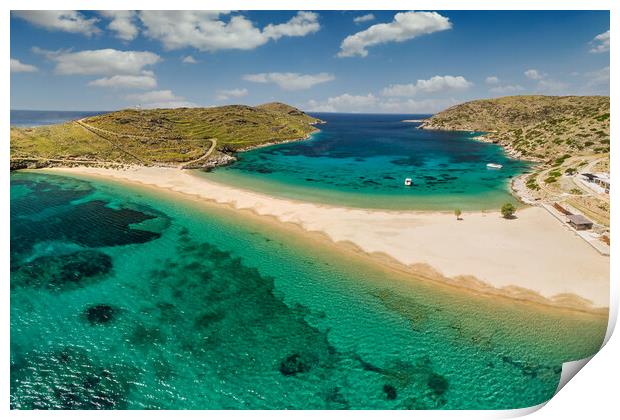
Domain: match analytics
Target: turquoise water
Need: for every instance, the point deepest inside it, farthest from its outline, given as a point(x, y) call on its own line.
point(362, 160)
point(124, 298)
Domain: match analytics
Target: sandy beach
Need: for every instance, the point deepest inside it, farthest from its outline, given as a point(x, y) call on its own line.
point(532, 257)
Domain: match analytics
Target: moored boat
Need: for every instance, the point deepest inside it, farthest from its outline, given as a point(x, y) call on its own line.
point(494, 166)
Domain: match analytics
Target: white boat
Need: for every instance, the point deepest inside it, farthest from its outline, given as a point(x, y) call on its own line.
point(494, 166)
point(408, 182)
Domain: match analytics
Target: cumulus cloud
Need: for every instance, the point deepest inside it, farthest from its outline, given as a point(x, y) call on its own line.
point(302, 24)
point(506, 89)
point(159, 99)
point(601, 43)
point(188, 59)
point(405, 26)
point(122, 22)
point(290, 81)
point(434, 84)
point(344, 102)
point(225, 94)
point(371, 103)
point(533, 74)
point(491, 80)
point(144, 81)
point(364, 18)
point(60, 20)
point(206, 31)
point(106, 62)
point(19, 67)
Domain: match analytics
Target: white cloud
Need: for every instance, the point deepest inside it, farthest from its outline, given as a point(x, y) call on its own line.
point(345, 102)
point(206, 31)
point(533, 74)
point(601, 43)
point(188, 59)
point(60, 20)
point(552, 86)
point(415, 106)
point(405, 26)
point(370, 103)
point(159, 99)
point(225, 94)
point(491, 80)
point(504, 89)
point(364, 18)
point(106, 62)
point(302, 24)
point(122, 22)
point(434, 84)
point(144, 81)
point(598, 77)
point(290, 81)
point(19, 67)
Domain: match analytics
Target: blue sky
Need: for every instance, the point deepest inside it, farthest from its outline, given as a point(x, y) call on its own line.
point(358, 61)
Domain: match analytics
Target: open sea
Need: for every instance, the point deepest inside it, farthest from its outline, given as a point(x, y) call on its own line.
point(125, 297)
point(30, 118)
point(362, 160)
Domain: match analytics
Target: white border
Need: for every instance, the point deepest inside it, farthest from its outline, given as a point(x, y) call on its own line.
point(592, 394)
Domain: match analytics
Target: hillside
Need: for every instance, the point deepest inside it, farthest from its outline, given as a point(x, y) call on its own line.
point(185, 137)
point(539, 128)
point(567, 135)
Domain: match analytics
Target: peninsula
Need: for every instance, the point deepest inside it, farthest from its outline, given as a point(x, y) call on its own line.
point(180, 137)
point(566, 136)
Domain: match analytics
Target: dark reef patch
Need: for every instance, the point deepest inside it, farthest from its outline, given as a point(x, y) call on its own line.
point(61, 273)
point(68, 379)
point(49, 213)
point(294, 364)
point(390, 392)
point(100, 314)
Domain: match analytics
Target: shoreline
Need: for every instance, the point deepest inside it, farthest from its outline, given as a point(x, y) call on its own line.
point(522, 259)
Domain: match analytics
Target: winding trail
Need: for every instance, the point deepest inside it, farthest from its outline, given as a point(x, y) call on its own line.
point(102, 133)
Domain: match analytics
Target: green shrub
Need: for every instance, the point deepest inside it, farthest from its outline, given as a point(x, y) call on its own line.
point(508, 210)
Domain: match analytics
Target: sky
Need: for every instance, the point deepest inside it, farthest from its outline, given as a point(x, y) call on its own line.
point(322, 61)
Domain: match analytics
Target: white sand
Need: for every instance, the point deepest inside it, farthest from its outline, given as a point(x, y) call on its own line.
point(534, 251)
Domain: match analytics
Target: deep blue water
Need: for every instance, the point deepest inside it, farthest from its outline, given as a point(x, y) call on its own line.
point(30, 118)
point(362, 160)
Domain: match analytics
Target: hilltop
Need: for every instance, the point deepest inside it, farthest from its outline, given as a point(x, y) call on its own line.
point(538, 128)
point(566, 135)
point(183, 137)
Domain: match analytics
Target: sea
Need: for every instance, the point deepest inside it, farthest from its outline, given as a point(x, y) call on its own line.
point(33, 118)
point(362, 160)
point(127, 297)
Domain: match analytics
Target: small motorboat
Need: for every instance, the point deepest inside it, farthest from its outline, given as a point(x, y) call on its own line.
point(494, 166)
point(408, 182)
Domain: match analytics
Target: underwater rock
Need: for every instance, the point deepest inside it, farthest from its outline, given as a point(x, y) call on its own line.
point(437, 383)
point(60, 273)
point(100, 314)
point(293, 365)
point(390, 392)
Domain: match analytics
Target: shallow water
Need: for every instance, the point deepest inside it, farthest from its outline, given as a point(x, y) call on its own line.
point(362, 160)
point(127, 298)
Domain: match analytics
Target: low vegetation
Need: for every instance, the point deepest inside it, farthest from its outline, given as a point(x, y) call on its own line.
point(198, 137)
point(547, 129)
point(508, 211)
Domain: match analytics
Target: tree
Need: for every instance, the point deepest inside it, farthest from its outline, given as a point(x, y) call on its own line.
point(508, 211)
point(457, 213)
